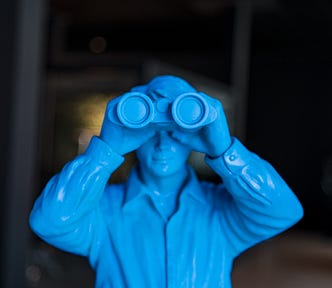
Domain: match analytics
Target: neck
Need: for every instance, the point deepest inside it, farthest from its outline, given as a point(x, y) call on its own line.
point(165, 190)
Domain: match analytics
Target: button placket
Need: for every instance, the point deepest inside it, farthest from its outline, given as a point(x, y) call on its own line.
point(171, 251)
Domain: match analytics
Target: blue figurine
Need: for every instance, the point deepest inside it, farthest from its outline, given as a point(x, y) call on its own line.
point(164, 227)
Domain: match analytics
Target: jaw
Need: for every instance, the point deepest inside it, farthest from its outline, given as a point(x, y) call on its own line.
point(162, 170)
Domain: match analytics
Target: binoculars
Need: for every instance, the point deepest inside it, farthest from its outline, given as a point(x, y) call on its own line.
point(137, 110)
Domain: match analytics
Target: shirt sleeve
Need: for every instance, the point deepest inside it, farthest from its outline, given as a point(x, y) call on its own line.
point(259, 204)
point(65, 213)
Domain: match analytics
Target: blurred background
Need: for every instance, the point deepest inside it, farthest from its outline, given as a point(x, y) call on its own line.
point(268, 61)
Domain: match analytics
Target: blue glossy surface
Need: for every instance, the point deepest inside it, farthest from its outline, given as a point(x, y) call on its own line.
point(164, 227)
point(187, 110)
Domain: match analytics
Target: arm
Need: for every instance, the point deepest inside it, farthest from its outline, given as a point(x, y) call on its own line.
point(65, 214)
point(260, 205)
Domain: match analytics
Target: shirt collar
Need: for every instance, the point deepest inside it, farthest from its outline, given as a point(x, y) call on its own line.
point(136, 189)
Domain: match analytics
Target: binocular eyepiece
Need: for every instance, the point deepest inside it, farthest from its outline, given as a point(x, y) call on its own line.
point(136, 110)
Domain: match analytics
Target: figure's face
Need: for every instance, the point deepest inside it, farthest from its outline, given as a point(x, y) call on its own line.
point(162, 155)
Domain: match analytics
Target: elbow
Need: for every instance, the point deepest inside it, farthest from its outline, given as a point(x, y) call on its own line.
point(288, 213)
point(297, 212)
point(40, 223)
point(293, 213)
point(35, 222)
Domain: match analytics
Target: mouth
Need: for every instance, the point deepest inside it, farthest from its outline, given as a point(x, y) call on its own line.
point(161, 157)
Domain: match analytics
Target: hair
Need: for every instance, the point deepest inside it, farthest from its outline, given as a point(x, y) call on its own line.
point(165, 86)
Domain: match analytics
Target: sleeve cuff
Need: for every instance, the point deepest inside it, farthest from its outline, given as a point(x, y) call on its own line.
point(232, 161)
point(100, 152)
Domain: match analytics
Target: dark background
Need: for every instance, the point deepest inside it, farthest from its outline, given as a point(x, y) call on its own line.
point(286, 87)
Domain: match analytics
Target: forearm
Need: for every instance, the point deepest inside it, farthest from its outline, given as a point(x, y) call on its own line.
point(263, 204)
point(75, 191)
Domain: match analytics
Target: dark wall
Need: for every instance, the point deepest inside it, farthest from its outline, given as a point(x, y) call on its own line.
point(289, 97)
point(290, 103)
point(7, 33)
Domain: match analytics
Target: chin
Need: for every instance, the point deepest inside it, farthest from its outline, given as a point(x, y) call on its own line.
point(163, 170)
point(169, 171)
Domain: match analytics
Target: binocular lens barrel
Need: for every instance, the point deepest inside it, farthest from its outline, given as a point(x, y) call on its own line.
point(190, 110)
point(136, 110)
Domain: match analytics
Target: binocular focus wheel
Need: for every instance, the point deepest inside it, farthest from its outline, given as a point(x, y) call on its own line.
point(135, 110)
point(190, 110)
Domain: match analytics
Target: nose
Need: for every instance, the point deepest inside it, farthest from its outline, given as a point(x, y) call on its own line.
point(163, 140)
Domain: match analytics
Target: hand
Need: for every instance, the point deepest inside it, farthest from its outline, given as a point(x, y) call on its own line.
point(121, 139)
point(213, 139)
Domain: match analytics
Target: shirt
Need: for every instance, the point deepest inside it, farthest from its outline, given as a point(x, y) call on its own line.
point(129, 242)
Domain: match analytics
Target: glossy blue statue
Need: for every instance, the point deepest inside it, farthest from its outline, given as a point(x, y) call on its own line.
point(163, 227)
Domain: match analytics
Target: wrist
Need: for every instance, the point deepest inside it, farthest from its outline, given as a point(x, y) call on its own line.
point(221, 149)
point(232, 161)
point(101, 152)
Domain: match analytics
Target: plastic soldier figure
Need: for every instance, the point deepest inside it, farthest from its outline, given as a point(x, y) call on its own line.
point(164, 227)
